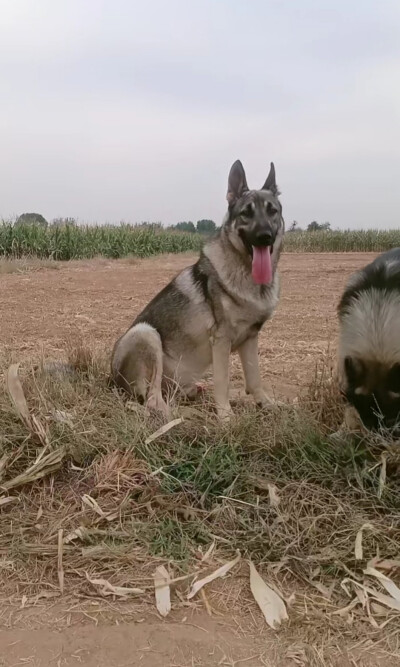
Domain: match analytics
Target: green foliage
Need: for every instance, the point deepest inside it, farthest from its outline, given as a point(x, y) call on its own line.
point(206, 226)
point(63, 222)
point(370, 240)
point(185, 227)
point(71, 241)
point(80, 242)
point(318, 226)
point(31, 219)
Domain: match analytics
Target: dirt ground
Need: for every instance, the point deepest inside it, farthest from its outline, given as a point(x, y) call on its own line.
point(97, 300)
point(43, 309)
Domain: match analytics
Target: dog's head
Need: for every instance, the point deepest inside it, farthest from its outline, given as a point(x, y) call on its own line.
point(373, 389)
point(254, 221)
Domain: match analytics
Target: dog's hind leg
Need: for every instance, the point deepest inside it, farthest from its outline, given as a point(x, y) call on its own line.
point(137, 365)
point(248, 353)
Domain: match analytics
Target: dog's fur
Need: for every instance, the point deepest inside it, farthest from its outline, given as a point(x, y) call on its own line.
point(209, 309)
point(369, 343)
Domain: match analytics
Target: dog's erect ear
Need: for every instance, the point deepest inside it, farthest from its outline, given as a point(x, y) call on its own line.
point(270, 183)
point(237, 183)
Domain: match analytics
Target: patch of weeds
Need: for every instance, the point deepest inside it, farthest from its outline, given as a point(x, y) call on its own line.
point(175, 539)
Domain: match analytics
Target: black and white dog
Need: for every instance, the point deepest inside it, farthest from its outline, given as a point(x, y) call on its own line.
point(369, 344)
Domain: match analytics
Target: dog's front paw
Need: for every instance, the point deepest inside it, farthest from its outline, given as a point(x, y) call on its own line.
point(224, 413)
point(262, 399)
point(158, 404)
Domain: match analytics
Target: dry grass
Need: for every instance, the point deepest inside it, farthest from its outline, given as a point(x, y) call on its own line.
point(26, 264)
point(123, 505)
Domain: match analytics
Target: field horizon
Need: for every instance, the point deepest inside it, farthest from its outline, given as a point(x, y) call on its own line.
point(66, 242)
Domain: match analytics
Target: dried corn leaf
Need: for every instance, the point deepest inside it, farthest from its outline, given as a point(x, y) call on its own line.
point(93, 504)
point(358, 549)
point(208, 553)
point(220, 572)
point(6, 500)
point(105, 588)
point(387, 583)
point(162, 590)
point(78, 534)
point(274, 498)
point(44, 465)
point(164, 429)
point(16, 392)
point(385, 564)
point(386, 600)
point(344, 611)
point(17, 395)
point(270, 603)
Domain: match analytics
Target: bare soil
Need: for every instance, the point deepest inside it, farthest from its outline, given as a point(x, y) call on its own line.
point(43, 310)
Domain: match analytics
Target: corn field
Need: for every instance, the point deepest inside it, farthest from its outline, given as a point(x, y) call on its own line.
point(370, 240)
point(84, 242)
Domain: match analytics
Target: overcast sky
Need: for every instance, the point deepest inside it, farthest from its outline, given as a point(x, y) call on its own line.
point(127, 110)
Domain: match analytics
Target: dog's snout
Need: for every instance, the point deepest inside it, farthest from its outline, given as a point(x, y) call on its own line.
point(263, 237)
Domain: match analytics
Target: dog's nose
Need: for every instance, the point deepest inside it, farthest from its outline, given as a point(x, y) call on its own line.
point(264, 237)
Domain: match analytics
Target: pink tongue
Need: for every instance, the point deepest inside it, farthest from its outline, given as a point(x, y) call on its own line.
point(262, 268)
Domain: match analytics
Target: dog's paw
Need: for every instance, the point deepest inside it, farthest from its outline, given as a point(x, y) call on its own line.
point(158, 404)
point(224, 414)
point(265, 402)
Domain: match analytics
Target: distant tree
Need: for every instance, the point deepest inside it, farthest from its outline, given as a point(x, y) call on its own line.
point(315, 226)
point(31, 219)
point(63, 222)
point(294, 227)
point(185, 227)
point(206, 226)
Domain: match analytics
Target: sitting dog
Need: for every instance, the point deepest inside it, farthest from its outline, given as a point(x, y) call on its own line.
point(212, 308)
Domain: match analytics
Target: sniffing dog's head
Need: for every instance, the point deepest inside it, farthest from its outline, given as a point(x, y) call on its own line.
point(255, 219)
point(373, 389)
point(369, 342)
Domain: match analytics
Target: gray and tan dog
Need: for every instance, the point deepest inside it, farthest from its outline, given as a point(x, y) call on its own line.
point(212, 308)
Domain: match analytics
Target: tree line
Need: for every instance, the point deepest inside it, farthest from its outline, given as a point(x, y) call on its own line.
point(314, 226)
point(201, 227)
point(204, 226)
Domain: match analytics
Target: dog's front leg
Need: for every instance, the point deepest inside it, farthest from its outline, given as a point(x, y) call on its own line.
point(248, 353)
point(221, 349)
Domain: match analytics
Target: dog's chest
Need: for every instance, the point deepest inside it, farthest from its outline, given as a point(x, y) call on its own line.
point(246, 317)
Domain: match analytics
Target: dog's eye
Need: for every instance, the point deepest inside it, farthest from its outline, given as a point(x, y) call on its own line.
point(248, 212)
point(271, 210)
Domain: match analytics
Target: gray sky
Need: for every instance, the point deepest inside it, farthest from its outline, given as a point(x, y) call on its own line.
point(136, 110)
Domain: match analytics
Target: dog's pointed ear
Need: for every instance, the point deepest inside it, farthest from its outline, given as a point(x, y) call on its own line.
point(270, 183)
point(237, 183)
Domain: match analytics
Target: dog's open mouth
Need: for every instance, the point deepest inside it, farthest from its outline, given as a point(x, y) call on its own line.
point(262, 265)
